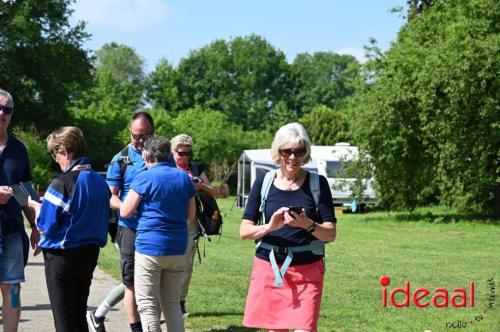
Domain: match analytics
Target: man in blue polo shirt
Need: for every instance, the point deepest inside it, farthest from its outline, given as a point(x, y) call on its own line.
point(123, 168)
point(14, 168)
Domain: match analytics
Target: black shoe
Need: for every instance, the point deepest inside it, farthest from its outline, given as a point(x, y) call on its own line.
point(96, 324)
point(185, 314)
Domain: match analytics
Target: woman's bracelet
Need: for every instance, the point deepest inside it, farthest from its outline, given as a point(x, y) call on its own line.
point(311, 228)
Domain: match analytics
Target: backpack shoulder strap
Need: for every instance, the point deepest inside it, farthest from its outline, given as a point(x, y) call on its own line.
point(314, 187)
point(264, 191)
point(195, 169)
point(124, 161)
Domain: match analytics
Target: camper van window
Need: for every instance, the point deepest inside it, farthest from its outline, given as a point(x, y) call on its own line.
point(334, 169)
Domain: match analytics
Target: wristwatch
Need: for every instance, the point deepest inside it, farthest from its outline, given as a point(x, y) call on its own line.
point(311, 228)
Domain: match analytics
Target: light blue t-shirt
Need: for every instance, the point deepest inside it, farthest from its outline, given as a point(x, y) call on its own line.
point(163, 212)
point(114, 179)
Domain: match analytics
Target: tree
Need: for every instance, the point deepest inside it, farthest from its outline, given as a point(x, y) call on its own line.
point(119, 75)
point(42, 62)
point(102, 125)
point(324, 78)
point(40, 160)
point(243, 78)
point(416, 7)
point(431, 117)
point(104, 109)
point(162, 87)
point(280, 115)
point(326, 126)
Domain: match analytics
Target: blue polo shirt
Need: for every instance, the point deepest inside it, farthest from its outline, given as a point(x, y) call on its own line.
point(114, 179)
point(163, 212)
point(14, 168)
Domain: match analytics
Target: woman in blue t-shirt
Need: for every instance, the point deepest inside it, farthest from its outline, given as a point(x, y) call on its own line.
point(297, 220)
point(163, 199)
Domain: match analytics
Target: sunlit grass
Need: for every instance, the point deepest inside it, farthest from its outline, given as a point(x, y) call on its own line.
point(430, 248)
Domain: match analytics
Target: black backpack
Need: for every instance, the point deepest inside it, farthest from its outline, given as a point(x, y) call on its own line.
point(207, 211)
point(208, 215)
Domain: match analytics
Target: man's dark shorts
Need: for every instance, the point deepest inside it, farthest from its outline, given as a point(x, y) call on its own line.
point(126, 242)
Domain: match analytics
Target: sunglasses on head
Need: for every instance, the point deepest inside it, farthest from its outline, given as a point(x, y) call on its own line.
point(138, 137)
point(183, 153)
point(297, 152)
point(6, 109)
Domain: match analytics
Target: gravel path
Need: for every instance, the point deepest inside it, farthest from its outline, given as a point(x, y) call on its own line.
point(36, 315)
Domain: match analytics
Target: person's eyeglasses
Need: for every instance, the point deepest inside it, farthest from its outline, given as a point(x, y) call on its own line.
point(299, 153)
point(6, 109)
point(139, 137)
point(183, 153)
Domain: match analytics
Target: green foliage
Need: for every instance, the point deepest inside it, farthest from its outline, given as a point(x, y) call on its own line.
point(101, 125)
point(40, 159)
point(279, 116)
point(243, 78)
point(355, 175)
point(324, 78)
point(121, 61)
point(416, 7)
point(163, 123)
point(326, 126)
point(215, 137)
point(431, 116)
point(42, 62)
point(162, 87)
point(250, 81)
point(414, 247)
point(103, 111)
point(118, 77)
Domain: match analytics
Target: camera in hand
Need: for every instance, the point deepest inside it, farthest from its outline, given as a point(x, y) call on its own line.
point(196, 179)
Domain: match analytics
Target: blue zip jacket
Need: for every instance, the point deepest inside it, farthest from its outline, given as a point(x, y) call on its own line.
point(75, 209)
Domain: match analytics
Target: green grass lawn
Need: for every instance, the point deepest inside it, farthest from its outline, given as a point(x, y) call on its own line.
point(429, 248)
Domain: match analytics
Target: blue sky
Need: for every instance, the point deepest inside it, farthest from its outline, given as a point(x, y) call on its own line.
point(171, 28)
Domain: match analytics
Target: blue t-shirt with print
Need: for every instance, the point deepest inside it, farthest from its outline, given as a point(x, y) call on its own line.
point(163, 212)
point(114, 179)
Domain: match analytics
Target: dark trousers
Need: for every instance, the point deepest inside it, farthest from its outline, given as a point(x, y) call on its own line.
point(68, 273)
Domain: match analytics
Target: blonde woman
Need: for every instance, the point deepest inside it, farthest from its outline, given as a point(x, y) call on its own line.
point(181, 150)
point(283, 299)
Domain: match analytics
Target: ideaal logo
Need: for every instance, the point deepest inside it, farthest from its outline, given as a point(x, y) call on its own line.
point(440, 298)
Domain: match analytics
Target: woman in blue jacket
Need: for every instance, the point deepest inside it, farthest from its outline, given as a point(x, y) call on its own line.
point(73, 223)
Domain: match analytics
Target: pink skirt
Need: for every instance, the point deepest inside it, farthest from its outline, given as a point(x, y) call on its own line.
point(294, 306)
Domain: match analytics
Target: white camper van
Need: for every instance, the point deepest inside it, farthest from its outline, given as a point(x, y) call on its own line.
point(326, 160)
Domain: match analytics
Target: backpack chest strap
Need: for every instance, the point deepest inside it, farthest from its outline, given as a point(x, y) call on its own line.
point(316, 247)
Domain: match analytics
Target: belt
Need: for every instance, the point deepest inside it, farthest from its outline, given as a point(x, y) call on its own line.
point(317, 247)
